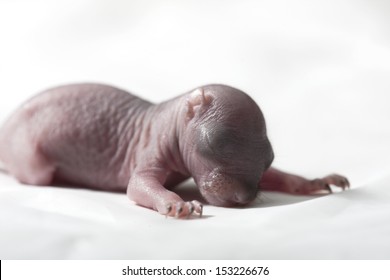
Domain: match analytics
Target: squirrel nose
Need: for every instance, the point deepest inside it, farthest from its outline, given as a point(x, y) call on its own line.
point(244, 195)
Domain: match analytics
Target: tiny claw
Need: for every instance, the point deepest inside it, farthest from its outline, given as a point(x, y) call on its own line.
point(342, 183)
point(169, 209)
point(201, 211)
point(338, 181)
point(179, 209)
point(190, 209)
point(346, 182)
point(198, 207)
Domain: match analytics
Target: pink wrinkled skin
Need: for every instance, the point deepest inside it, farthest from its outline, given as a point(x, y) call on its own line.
point(102, 137)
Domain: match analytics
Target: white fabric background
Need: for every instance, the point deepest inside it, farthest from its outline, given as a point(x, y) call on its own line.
point(318, 69)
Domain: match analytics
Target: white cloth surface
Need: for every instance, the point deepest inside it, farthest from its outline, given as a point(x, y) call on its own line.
point(318, 69)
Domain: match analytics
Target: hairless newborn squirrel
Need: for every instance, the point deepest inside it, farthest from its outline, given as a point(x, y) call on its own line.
point(104, 138)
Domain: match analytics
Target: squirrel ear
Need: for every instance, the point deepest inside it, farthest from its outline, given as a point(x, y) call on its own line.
point(197, 103)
